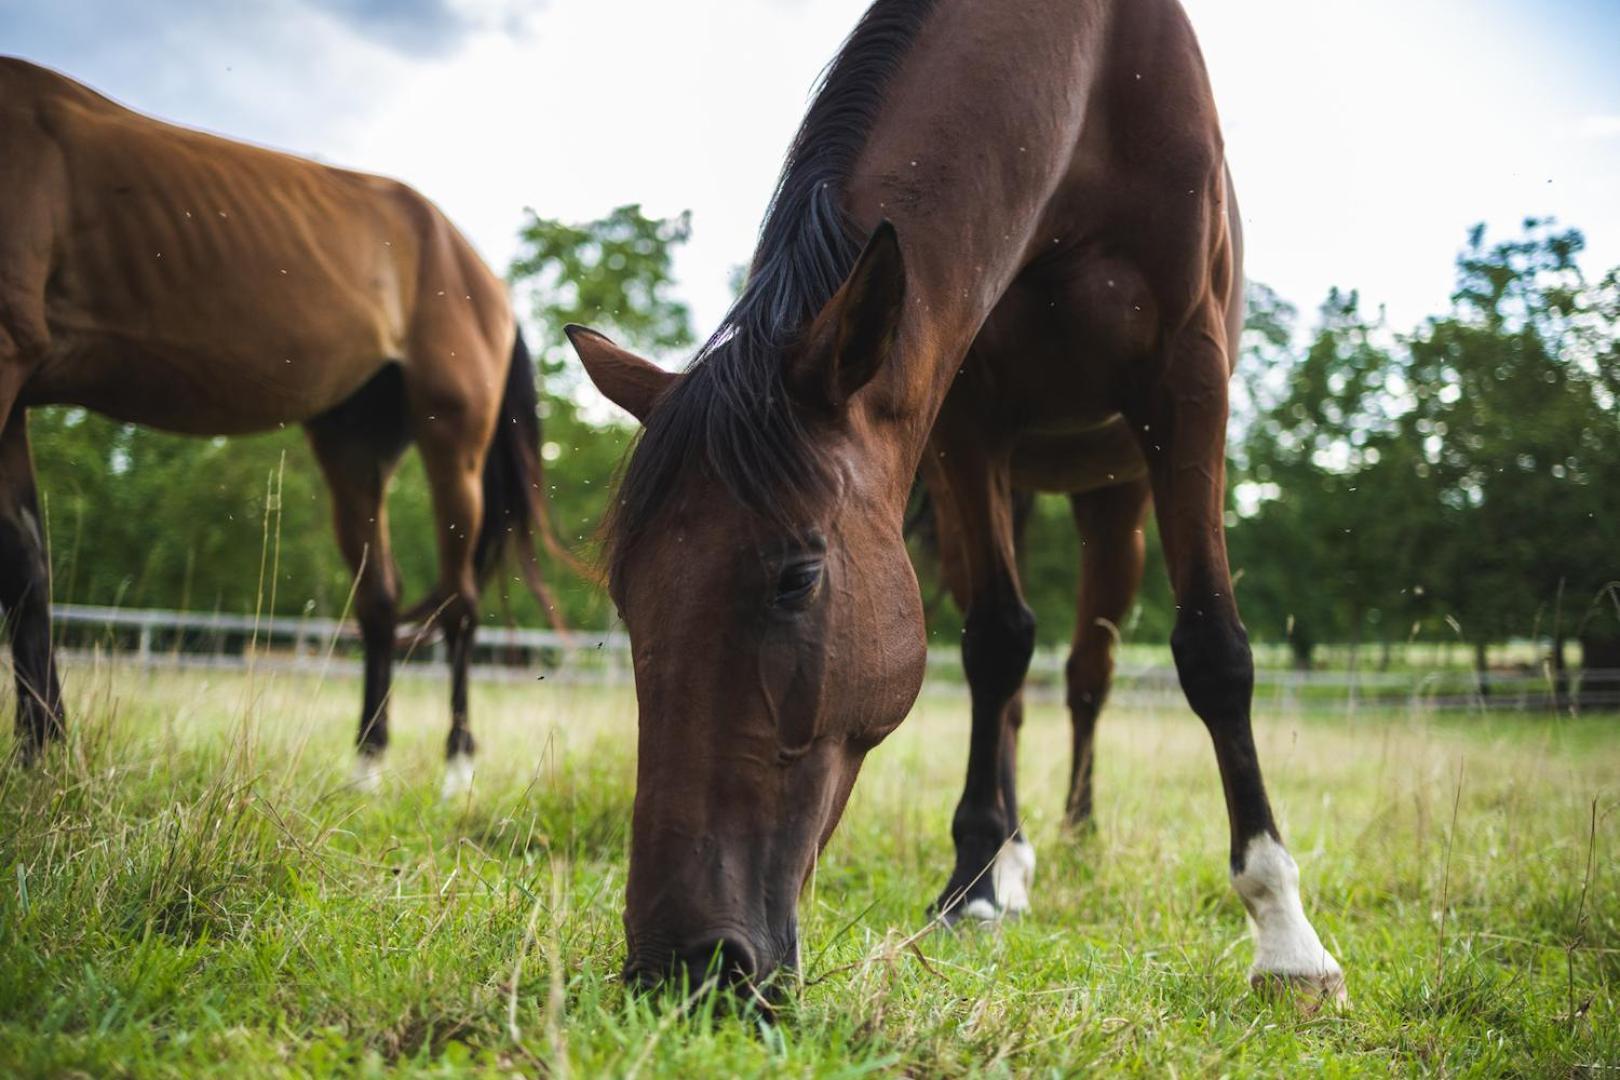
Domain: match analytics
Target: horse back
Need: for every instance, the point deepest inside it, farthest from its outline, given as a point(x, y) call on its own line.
point(216, 267)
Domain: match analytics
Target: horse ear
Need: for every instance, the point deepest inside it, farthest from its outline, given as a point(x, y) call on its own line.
point(631, 383)
point(860, 321)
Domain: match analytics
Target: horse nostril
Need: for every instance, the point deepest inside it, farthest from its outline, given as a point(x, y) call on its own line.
point(728, 959)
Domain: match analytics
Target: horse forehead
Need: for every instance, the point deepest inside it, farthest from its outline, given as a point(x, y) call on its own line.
point(695, 545)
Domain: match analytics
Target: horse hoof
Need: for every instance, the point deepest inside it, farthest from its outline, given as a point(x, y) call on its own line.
point(1013, 875)
point(1080, 826)
point(458, 776)
point(975, 912)
point(978, 911)
point(1310, 991)
point(367, 776)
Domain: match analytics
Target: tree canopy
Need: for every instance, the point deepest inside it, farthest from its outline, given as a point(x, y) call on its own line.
point(1464, 476)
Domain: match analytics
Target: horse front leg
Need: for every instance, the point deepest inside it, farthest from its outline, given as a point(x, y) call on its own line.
point(25, 594)
point(1183, 434)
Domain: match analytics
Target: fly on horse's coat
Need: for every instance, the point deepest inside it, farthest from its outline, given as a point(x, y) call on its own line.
point(174, 279)
point(1003, 252)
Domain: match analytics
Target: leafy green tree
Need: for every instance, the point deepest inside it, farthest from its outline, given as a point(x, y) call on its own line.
point(1316, 548)
point(1514, 411)
point(139, 518)
point(1463, 479)
point(616, 275)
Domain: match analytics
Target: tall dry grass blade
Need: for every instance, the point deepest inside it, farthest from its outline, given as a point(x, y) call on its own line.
point(1445, 882)
point(1578, 938)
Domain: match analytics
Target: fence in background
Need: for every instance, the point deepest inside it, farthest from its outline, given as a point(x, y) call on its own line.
point(185, 639)
point(190, 639)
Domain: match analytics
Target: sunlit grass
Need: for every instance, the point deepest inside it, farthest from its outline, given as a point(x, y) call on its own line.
point(190, 885)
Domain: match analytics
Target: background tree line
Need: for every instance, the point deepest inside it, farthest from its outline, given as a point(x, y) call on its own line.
point(1460, 480)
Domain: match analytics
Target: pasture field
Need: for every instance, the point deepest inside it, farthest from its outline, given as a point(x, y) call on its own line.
point(189, 887)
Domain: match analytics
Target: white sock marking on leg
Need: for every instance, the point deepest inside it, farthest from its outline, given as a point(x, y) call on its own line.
point(1013, 875)
point(458, 776)
point(367, 774)
point(1285, 943)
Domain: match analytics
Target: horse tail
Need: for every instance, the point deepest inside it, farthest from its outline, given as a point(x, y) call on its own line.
point(515, 504)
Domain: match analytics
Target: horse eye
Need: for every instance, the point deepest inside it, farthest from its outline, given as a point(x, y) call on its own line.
point(796, 584)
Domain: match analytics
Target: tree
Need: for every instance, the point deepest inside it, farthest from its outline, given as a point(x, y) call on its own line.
point(1464, 477)
point(1325, 546)
point(1514, 409)
point(614, 274)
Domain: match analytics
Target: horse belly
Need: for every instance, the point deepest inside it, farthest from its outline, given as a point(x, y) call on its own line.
point(1077, 461)
point(222, 392)
point(204, 343)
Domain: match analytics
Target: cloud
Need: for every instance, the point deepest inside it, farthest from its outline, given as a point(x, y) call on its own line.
point(429, 27)
point(301, 75)
point(415, 28)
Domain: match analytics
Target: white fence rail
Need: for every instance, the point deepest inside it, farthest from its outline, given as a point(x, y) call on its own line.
point(160, 637)
point(186, 639)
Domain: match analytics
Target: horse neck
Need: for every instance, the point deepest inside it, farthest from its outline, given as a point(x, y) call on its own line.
point(977, 131)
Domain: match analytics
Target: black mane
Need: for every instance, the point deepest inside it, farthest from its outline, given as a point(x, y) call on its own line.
point(730, 410)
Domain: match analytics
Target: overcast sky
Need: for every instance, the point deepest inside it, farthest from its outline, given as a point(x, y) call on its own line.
point(1365, 139)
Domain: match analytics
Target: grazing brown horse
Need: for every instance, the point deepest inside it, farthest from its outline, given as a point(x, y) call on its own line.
point(1003, 250)
point(170, 278)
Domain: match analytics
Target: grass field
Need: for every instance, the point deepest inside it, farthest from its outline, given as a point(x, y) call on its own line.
point(189, 887)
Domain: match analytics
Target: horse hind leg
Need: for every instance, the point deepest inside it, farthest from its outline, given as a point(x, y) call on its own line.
point(25, 593)
point(976, 508)
point(453, 428)
point(457, 498)
point(1109, 521)
point(358, 444)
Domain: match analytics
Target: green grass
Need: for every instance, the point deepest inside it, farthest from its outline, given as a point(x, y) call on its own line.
point(188, 887)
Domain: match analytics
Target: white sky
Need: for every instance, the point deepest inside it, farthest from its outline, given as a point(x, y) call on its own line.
point(1365, 139)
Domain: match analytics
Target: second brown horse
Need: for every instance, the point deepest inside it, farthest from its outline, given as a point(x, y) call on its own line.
point(174, 279)
point(1003, 250)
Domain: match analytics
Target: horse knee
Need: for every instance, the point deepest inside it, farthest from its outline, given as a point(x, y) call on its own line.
point(997, 644)
point(1214, 664)
point(1087, 675)
point(459, 616)
point(376, 609)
